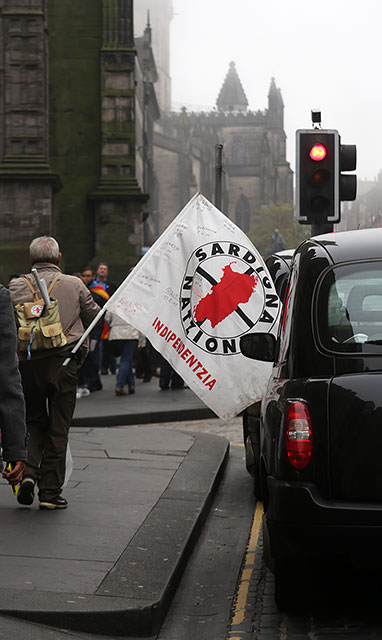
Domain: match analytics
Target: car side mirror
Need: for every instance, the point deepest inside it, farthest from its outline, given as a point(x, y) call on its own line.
point(259, 346)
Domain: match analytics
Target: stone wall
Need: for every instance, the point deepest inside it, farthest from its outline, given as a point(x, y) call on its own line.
point(25, 212)
point(166, 162)
point(67, 132)
point(27, 183)
point(75, 122)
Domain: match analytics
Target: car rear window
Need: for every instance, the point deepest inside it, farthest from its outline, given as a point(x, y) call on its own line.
point(349, 308)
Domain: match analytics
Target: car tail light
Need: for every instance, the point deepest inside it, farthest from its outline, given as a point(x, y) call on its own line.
point(298, 435)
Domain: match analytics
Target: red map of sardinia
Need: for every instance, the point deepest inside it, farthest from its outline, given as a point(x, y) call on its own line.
point(233, 289)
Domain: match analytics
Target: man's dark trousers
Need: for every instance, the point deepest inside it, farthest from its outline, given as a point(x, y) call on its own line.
point(50, 397)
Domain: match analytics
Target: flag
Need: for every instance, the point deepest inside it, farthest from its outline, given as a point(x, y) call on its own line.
point(197, 290)
point(102, 293)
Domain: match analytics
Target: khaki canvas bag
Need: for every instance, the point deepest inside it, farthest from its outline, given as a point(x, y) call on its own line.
point(39, 326)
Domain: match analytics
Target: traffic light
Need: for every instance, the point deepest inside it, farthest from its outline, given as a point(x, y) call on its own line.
point(317, 176)
point(321, 184)
point(348, 162)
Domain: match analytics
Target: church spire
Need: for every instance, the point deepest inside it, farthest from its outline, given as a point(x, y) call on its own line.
point(275, 106)
point(274, 95)
point(232, 96)
point(147, 31)
point(272, 88)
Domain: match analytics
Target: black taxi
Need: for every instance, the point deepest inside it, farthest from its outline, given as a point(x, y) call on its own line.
point(278, 265)
point(320, 460)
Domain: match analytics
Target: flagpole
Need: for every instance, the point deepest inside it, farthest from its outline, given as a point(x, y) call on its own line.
point(94, 322)
point(84, 336)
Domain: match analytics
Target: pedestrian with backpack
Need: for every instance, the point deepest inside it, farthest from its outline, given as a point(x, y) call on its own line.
point(48, 329)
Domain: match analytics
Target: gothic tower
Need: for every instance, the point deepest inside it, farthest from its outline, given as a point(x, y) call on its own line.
point(161, 13)
point(118, 198)
point(232, 98)
point(275, 107)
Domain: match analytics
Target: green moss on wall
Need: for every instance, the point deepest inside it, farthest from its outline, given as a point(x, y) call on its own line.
point(75, 121)
point(14, 260)
point(116, 237)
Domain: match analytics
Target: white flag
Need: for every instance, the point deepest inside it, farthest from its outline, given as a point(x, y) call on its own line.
point(197, 290)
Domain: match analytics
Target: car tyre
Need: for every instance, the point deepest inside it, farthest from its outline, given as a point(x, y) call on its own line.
point(252, 452)
point(253, 467)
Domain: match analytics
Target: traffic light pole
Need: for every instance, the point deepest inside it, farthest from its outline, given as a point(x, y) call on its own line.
point(218, 175)
point(318, 228)
point(321, 179)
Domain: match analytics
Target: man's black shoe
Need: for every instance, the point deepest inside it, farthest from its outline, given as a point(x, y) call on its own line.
point(55, 503)
point(25, 494)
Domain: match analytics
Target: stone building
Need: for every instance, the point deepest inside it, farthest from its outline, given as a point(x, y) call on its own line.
point(255, 168)
point(67, 132)
point(256, 171)
point(87, 134)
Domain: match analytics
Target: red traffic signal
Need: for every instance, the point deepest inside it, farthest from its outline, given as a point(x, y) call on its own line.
point(321, 183)
point(317, 176)
point(318, 152)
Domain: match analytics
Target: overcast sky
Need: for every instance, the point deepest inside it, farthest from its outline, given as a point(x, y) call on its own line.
point(325, 55)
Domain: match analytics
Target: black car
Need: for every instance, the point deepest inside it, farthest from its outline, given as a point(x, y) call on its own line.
point(278, 265)
point(320, 462)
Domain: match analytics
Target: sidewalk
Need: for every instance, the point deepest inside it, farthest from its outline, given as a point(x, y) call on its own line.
point(148, 405)
point(138, 498)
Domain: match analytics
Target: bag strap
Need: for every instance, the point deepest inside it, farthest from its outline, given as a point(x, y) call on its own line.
point(53, 282)
point(35, 292)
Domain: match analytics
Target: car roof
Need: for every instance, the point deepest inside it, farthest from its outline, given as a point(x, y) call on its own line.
point(286, 254)
point(344, 246)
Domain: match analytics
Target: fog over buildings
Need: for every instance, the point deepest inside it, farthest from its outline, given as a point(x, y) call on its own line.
point(322, 55)
point(93, 136)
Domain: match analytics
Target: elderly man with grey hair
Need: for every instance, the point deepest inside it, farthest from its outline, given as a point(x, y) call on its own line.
point(49, 388)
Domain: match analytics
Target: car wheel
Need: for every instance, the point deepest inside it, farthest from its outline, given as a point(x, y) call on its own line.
point(251, 432)
point(252, 462)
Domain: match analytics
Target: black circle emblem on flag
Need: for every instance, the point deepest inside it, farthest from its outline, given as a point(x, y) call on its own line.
point(225, 293)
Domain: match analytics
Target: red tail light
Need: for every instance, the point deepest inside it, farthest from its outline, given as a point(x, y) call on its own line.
point(298, 435)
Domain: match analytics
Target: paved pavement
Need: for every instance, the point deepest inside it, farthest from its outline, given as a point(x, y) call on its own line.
point(138, 497)
point(148, 404)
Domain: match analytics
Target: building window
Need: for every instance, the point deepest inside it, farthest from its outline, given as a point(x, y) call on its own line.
point(243, 214)
point(237, 152)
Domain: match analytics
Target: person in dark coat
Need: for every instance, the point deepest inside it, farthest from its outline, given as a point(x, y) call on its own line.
point(109, 361)
point(12, 406)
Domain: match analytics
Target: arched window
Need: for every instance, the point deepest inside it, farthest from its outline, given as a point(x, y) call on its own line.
point(243, 214)
point(237, 151)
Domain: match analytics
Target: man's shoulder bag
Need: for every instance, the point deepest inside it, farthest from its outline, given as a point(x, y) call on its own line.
point(39, 325)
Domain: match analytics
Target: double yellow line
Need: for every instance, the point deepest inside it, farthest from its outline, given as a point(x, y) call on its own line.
point(246, 574)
